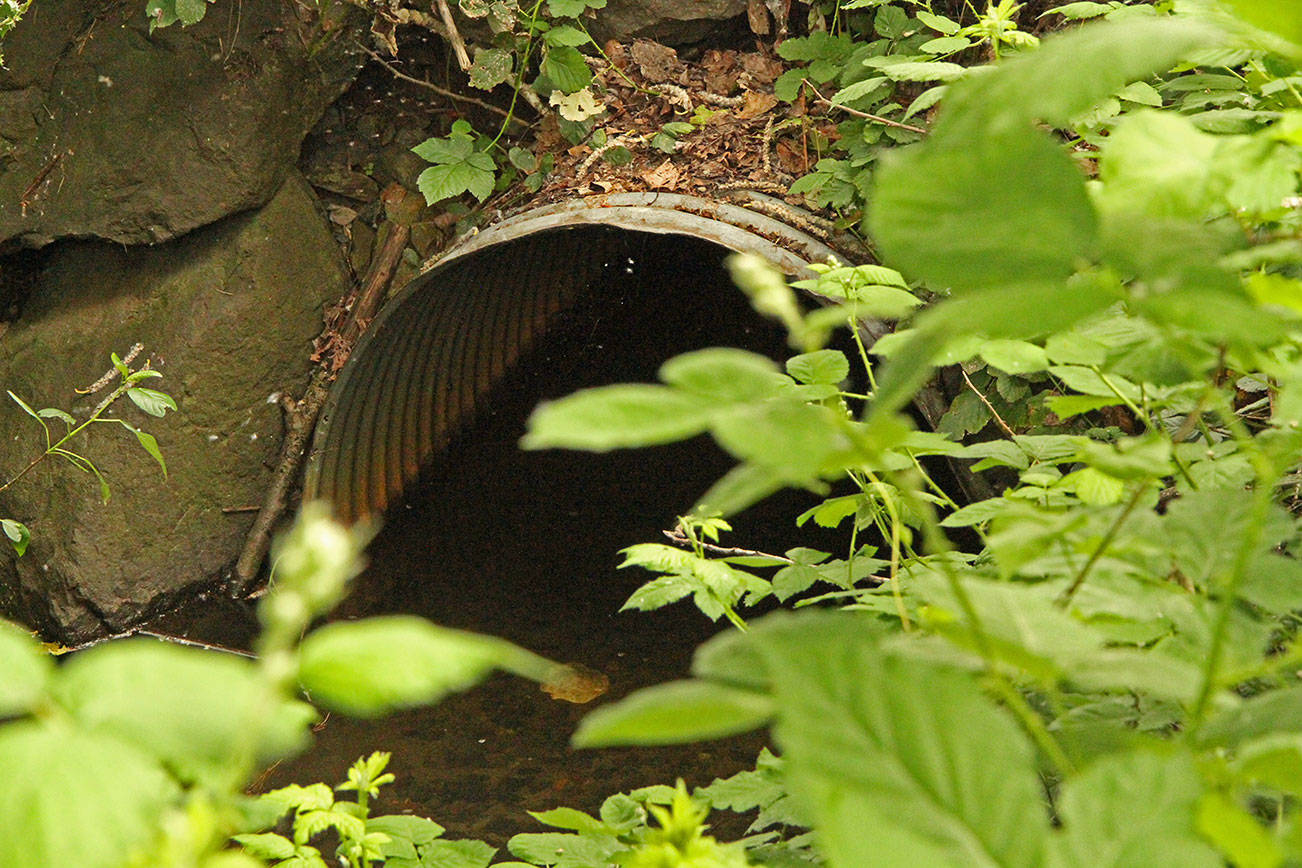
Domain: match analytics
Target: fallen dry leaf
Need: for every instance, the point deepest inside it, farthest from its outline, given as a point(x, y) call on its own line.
point(664, 176)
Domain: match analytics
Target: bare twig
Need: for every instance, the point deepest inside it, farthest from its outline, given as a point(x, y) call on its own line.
point(677, 537)
point(452, 95)
point(1003, 426)
point(458, 44)
point(865, 115)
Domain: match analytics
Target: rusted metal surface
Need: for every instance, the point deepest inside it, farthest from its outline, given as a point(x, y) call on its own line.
point(436, 352)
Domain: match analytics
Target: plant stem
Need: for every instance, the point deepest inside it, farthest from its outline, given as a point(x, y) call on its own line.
point(1065, 598)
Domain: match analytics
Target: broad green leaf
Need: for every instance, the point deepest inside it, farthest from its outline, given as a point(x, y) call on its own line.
point(1014, 357)
point(473, 174)
point(456, 854)
point(565, 35)
point(617, 417)
point(1274, 760)
point(1036, 223)
point(1158, 163)
point(945, 45)
point(565, 67)
point(26, 670)
point(563, 850)
point(723, 375)
point(18, 533)
point(59, 779)
point(938, 23)
point(796, 441)
point(152, 401)
point(674, 713)
point(191, 709)
point(492, 66)
point(371, 667)
point(1259, 716)
point(418, 830)
point(1070, 73)
point(266, 845)
point(1236, 833)
point(1276, 16)
point(572, 8)
point(190, 11)
point(899, 763)
point(933, 70)
point(820, 366)
point(742, 486)
point(1134, 809)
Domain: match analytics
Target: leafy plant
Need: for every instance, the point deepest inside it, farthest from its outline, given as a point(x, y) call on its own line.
point(1108, 675)
point(151, 401)
point(144, 748)
point(397, 840)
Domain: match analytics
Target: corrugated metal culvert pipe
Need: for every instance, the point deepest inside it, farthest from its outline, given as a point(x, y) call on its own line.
point(432, 360)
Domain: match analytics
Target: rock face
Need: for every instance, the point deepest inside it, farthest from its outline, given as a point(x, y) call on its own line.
point(227, 314)
point(668, 21)
point(107, 131)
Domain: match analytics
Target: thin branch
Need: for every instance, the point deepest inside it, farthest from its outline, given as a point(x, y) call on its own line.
point(677, 537)
point(452, 95)
point(865, 115)
point(991, 407)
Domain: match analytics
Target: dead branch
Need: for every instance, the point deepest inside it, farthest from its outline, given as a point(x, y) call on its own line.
point(302, 419)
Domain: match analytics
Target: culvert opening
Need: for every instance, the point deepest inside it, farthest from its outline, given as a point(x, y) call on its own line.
point(524, 545)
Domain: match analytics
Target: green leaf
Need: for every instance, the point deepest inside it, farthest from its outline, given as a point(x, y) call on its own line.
point(18, 534)
point(56, 413)
point(931, 70)
point(418, 830)
point(491, 67)
point(566, 68)
point(820, 366)
point(371, 667)
point(572, 8)
point(59, 779)
point(475, 174)
point(191, 709)
point(1014, 357)
point(456, 854)
point(1276, 16)
point(724, 375)
point(617, 417)
point(1130, 809)
point(266, 845)
point(27, 670)
point(565, 35)
point(1029, 200)
point(26, 409)
point(945, 45)
point(938, 23)
point(190, 11)
point(152, 401)
point(1237, 834)
point(796, 441)
point(674, 713)
point(898, 762)
point(568, 818)
point(150, 445)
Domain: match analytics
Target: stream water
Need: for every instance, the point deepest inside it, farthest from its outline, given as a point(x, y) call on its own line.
point(524, 546)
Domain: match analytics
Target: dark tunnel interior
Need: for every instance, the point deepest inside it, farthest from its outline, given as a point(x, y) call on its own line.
point(524, 545)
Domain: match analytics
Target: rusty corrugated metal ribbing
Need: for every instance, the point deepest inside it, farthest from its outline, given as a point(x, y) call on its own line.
point(438, 351)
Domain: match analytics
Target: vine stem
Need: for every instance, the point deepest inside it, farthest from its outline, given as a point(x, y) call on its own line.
point(1065, 598)
point(57, 447)
point(865, 115)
